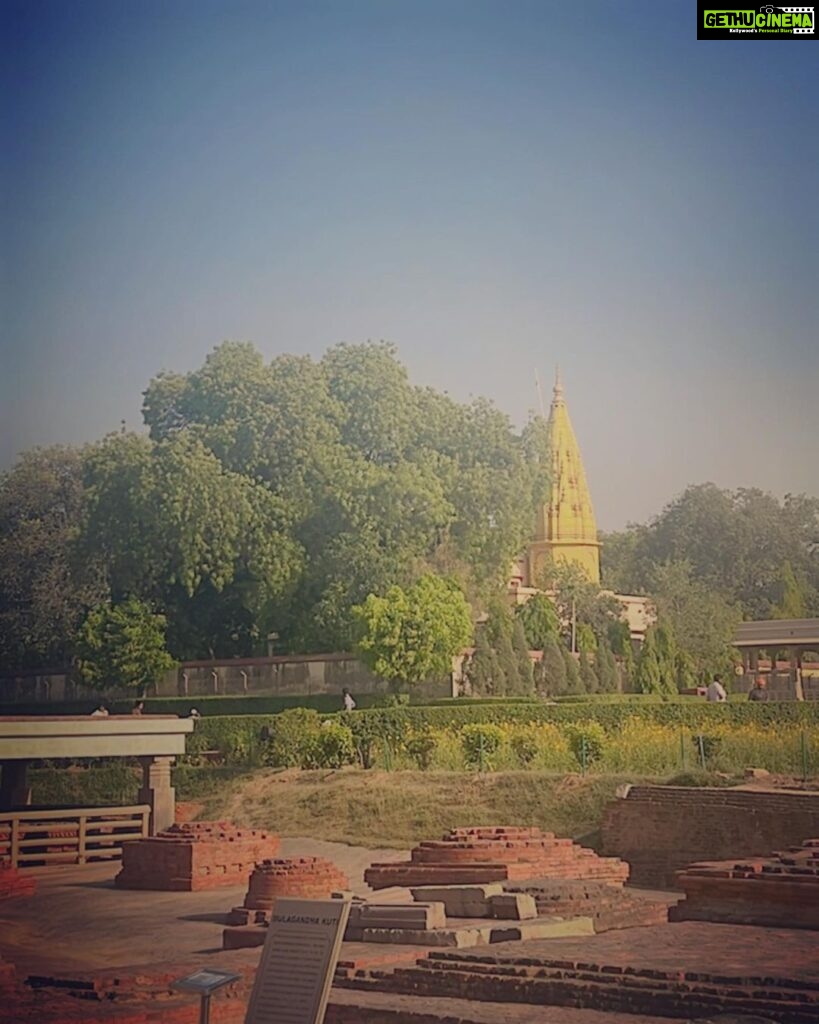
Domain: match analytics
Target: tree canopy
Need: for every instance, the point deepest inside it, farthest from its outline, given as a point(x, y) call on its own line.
point(745, 546)
point(411, 635)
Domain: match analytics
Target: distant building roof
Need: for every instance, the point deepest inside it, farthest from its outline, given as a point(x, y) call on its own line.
point(778, 633)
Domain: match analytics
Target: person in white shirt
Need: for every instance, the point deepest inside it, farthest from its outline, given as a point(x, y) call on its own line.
point(349, 703)
point(716, 692)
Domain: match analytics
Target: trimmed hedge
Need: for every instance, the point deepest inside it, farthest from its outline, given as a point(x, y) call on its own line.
point(242, 740)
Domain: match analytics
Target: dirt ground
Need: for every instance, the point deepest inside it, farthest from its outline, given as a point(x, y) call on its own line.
point(78, 921)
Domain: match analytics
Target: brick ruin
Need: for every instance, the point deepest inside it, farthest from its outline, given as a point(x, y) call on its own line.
point(451, 902)
point(195, 856)
point(637, 973)
point(550, 939)
point(780, 891)
point(660, 830)
point(496, 854)
point(304, 877)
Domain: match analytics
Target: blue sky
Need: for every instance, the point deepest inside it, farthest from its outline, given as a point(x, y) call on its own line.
point(494, 187)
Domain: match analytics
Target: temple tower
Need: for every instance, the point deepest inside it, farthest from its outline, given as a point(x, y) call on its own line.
point(566, 529)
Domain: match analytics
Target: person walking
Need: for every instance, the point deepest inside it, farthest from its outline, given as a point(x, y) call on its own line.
point(349, 703)
point(759, 691)
point(715, 694)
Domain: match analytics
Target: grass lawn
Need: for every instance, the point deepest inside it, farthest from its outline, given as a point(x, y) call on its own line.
point(397, 809)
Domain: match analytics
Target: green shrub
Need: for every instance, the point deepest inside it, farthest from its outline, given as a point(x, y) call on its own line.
point(525, 744)
point(587, 741)
point(420, 748)
point(331, 746)
point(292, 735)
point(481, 744)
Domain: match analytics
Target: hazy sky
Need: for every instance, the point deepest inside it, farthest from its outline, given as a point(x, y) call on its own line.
point(492, 186)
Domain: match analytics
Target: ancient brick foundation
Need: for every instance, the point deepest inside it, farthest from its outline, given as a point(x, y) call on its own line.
point(190, 857)
point(304, 877)
point(779, 891)
point(661, 829)
point(14, 883)
point(608, 907)
point(468, 856)
point(636, 972)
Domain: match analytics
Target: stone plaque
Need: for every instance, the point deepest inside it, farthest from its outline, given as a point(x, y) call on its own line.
point(298, 962)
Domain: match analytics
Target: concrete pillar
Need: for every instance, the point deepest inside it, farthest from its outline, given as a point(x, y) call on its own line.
point(15, 791)
point(796, 672)
point(157, 792)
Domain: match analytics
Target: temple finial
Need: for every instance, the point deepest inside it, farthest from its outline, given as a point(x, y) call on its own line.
point(558, 388)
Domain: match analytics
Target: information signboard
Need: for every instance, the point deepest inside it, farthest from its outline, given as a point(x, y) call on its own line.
point(298, 962)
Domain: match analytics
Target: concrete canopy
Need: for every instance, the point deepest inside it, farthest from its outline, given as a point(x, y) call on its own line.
point(35, 738)
point(153, 739)
point(800, 633)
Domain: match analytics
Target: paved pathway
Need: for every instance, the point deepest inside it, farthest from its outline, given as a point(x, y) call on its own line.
point(78, 921)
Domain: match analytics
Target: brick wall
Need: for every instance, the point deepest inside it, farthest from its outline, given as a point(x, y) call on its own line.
point(661, 829)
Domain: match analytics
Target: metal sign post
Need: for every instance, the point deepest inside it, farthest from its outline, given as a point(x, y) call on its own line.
point(205, 983)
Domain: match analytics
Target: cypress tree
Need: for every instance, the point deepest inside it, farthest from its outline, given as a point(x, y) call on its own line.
point(479, 670)
point(499, 629)
point(606, 667)
point(648, 674)
point(571, 671)
point(588, 677)
point(525, 675)
point(553, 670)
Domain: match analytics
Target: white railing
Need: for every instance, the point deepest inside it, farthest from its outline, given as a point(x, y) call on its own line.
point(69, 835)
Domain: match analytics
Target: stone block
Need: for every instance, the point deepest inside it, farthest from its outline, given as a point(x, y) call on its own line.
point(513, 906)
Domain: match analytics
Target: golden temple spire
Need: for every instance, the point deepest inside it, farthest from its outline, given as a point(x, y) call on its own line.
point(566, 529)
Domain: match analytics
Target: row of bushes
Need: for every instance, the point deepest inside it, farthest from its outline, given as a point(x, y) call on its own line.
point(404, 737)
point(301, 739)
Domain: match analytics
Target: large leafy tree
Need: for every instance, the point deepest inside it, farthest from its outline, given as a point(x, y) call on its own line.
point(174, 527)
point(46, 587)
point(122, 645)
point(701, 620)
point(736, 543)
point(411, 635)
point(384, 481)
point(540, 622)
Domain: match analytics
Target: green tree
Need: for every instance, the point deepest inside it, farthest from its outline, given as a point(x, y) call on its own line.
point(573, 683)
point(702, 621)
point(482, 669)
point(658, 662)
point(619, 637)
point(122, 645)
point(499, 631)
point(579, 600)
point(175, 528)
point(792, 603)
point(735, 542)
point(539, 620)
point(553, 670)
point(411, 635)
point(606, 667)
point(46, 586)
point(648, 674)
point(588, 675)
point(586, 640)
point(521, 648)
